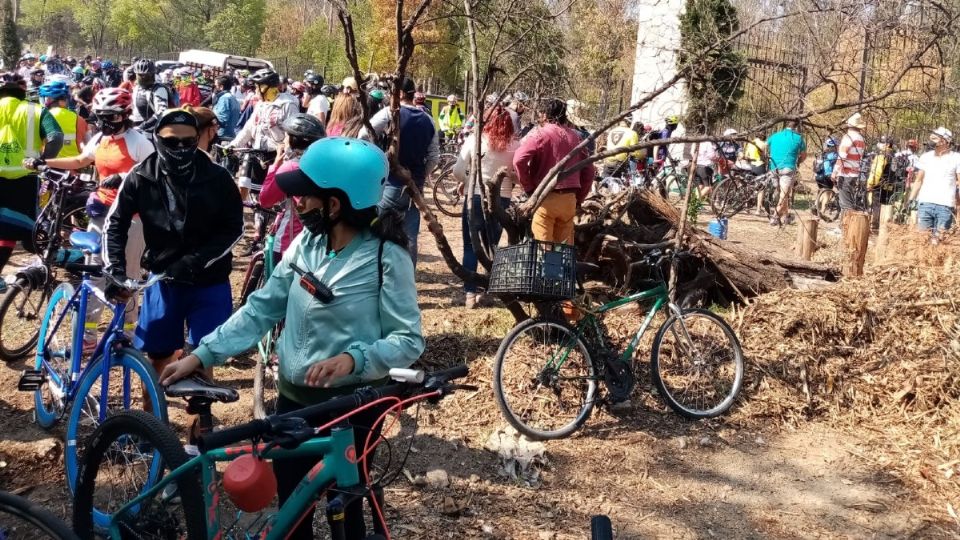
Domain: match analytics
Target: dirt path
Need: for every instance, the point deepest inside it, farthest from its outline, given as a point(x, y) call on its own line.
point(655, 474)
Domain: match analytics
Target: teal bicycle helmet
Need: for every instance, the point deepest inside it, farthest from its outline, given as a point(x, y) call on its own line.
point(54, 90)
point(355, 167)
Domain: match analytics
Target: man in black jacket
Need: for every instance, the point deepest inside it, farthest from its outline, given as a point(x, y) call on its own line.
point(192, 217)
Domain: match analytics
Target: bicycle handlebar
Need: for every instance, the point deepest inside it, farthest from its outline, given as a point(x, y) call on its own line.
point(437, 380)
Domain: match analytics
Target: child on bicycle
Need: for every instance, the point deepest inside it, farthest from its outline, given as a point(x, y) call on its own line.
point(346, 288)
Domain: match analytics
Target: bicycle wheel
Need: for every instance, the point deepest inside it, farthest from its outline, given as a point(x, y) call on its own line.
point(133, 384)
point(21, 308)
point(125, 457)
point(601, 528)
point(74, 218)
point(446, 193)
point(265, 389)
point(253, 279)
point(697, 364)
point(20, 518)
point(544, 379)
point(55, 345)
point(827, 207)
point(726, 199)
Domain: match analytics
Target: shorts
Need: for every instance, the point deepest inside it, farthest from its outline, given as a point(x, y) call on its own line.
point(168, 307)
point(786, 177)
point(704, 176)
point(18, 207)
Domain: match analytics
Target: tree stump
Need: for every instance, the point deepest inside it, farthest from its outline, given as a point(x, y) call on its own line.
point(807, 238)
point(856, 235)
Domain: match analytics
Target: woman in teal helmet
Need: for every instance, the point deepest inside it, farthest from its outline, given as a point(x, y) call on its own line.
point(363, 320)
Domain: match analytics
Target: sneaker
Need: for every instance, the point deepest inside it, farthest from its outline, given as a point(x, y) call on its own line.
point(789, 219)
point(774, 222)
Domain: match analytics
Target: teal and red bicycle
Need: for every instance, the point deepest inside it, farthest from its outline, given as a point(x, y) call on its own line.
point(117, 498)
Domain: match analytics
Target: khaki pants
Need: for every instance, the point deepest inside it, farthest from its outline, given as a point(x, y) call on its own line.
point(553, 221)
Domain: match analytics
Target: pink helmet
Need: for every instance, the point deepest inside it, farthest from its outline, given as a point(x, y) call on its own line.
point(112, 100)
point(419, 98)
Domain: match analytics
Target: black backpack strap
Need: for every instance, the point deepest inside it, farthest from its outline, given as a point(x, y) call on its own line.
point(380, 264)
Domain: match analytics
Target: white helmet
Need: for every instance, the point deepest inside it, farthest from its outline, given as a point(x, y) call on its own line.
point(729, 132)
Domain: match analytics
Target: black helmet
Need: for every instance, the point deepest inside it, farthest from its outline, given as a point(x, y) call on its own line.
point(12, 80)
point(329, 90)
point(313, 79)
point(266, 76)
point(304, 126)
point(144, 66)
point(409, 87)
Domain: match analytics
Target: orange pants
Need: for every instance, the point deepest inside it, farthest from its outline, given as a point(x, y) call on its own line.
point(553, 220)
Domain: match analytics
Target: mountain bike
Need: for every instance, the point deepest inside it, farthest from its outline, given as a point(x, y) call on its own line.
point(548, 374)
point(26, 297)
point(61, 379)
point(131, 443)
point(20, 518)
point(445, 188)
point(242, 159)
point(259, 270)
point(738, 191)
point(668, 178)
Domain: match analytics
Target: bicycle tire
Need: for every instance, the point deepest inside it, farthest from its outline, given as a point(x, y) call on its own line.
point(447, 198)
point(666, 391)
point(73, 218)
point(726, 199)
point(38, 517)
point(21, 292)
point(119, 427)
point(827, 207)
point(126, 359)
point(265, 390)
point(253, 279)
point(531, 388)
point(601, 528)
point(59, 353)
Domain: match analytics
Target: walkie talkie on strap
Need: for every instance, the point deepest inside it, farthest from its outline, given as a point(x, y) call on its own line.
point(313, 285)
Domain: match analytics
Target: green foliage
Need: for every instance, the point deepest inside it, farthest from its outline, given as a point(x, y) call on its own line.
point(238, 28)
point(715, 71)
point(9, 40)
point(696, 205)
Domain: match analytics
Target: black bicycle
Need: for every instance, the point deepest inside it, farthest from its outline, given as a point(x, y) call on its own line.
point(24, 303)
point(20, 518)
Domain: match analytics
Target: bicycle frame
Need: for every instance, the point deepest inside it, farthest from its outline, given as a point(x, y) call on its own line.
point(338, 467)
point(114, 332)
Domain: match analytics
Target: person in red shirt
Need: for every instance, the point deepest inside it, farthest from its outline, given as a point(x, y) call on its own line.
point(188, 90)
point(540, 150)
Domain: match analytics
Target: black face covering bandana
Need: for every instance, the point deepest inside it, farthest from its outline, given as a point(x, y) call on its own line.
point(176, 161)
point(110, 128)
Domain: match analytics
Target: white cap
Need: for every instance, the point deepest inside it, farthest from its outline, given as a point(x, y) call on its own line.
point(943, 133)
point(729, 131)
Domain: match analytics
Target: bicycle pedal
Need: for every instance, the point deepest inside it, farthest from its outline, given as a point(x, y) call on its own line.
point(31, 380)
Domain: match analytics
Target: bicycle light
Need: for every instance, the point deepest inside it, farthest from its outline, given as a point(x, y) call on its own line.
point(250, 483)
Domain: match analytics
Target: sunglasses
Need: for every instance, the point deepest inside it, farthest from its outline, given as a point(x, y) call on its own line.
point(110, 117)
point(178, 142)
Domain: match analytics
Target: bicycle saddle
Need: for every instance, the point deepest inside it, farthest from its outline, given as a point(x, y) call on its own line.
point(197, 386)
point(89, 241)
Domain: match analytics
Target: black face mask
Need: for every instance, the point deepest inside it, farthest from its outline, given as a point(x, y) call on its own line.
point(176, 162)
point(110, 128)
point(316, 220)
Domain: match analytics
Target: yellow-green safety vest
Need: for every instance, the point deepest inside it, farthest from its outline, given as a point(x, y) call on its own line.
point(68, 123)
point(19, 136)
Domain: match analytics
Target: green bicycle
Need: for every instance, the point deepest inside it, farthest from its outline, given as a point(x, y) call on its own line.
point(116, 498)
point(548, 374)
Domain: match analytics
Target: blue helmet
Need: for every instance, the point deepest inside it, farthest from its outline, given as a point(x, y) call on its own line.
point(78, 70)
point(43, 58)
point(106, 64)
point(355, 167)
point(55, 90)
point(831, 142)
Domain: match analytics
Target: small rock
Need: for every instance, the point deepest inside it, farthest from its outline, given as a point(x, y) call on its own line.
point(451, 506)
point(704, 441)
point(760, 441)
point(473, 479)
point(438, 478)
point(487, 529)
point(546, 535)
point(682, 442)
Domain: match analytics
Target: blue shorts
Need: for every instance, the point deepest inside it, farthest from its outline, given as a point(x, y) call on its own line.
point(169, 307)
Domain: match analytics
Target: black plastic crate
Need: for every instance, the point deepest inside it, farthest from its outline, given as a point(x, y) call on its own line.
point(535, 271)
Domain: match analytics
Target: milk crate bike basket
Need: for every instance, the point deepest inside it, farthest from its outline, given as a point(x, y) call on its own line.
point(534, 271)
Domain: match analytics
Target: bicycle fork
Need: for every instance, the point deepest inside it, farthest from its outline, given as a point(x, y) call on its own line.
point(678, 313)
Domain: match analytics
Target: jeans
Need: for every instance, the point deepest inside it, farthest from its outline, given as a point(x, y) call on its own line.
point(934, 216)
point(489, 236)
point(397, 198)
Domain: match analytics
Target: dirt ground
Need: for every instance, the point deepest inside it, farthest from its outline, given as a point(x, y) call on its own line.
point(655, 474)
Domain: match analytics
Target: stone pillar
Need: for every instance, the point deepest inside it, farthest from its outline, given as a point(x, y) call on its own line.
point(658, 39)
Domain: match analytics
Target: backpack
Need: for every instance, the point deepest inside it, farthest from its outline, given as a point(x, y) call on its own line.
point(899, 166)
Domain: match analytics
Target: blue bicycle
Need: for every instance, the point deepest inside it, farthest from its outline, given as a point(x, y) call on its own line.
point(92, 389)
